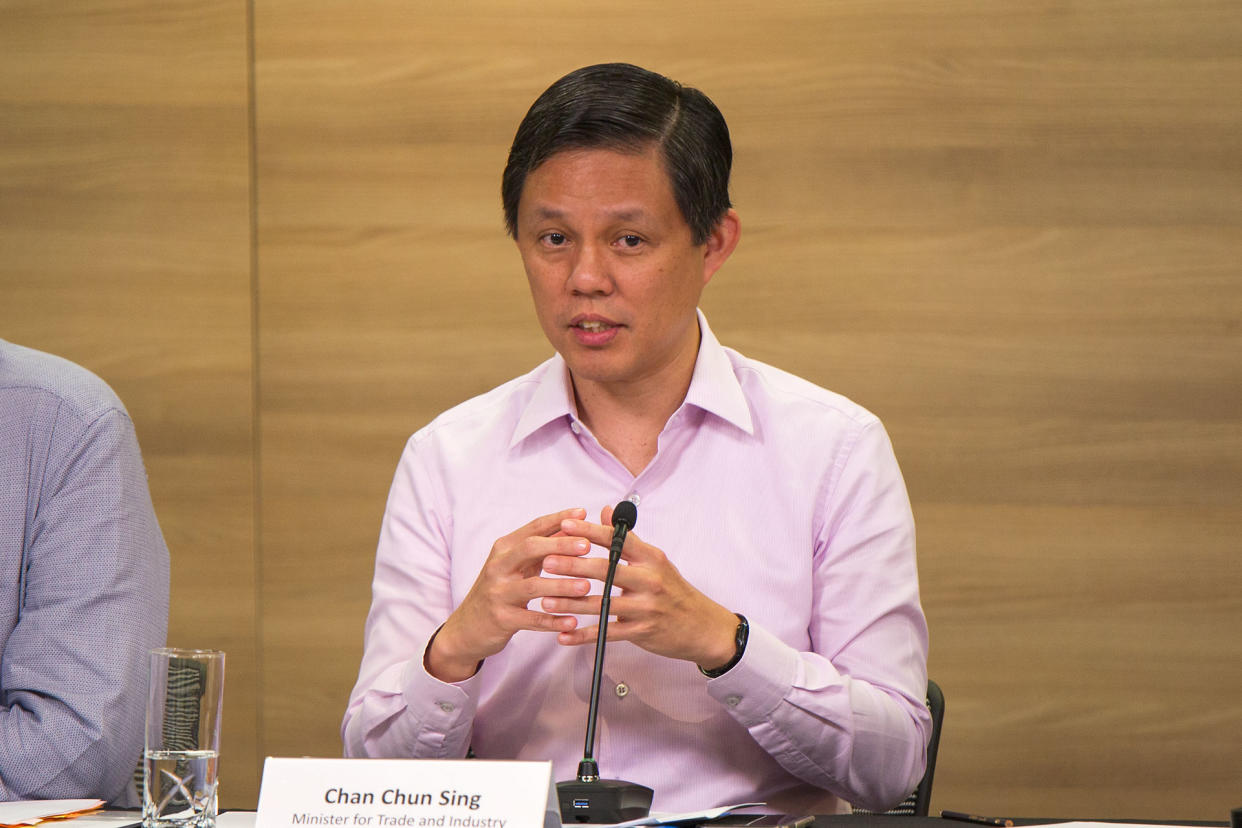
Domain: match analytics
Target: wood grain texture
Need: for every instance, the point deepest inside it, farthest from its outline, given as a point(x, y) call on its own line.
point(124, 246)
point(1010, 228)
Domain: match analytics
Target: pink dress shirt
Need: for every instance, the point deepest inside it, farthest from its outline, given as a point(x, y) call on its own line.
point(776, 498)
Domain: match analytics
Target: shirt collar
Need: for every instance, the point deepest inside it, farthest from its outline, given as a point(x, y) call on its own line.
point(551, 400)
point(713, 387)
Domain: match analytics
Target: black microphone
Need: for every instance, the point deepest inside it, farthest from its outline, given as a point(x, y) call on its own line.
point(623, 519)
point(589, 798)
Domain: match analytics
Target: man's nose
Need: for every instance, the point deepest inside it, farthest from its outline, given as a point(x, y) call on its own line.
point(589, 272)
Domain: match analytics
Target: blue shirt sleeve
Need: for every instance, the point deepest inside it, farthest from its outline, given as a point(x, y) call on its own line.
point(89, 601)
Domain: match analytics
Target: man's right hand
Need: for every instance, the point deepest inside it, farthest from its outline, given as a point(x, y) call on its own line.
point(496, 606)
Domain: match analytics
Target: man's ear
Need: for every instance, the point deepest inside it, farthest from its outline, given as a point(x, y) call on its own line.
point(719, 245)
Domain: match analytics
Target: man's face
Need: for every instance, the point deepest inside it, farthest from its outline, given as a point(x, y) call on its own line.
point(612, 268)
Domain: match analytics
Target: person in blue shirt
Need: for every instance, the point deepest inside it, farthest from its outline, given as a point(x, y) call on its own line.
point(83, 583)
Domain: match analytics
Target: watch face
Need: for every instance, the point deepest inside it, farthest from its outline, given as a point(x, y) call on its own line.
point(739, 646)
point(743, 633)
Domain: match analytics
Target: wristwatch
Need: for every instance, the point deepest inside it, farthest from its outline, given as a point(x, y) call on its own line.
point(739, 643)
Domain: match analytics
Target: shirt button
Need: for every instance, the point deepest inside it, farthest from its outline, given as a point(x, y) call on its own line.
point(623, 690)
point(733, 701)
point(447, 707)
point(575, 428)
point(634, 498)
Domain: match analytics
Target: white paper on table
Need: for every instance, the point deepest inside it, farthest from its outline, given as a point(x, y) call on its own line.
point(107, 819)
point(1113, 825)
point(33, 811)
point(118, 819)
point(689, 816)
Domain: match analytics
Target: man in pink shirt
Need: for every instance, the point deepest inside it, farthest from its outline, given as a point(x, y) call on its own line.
point(767, 643)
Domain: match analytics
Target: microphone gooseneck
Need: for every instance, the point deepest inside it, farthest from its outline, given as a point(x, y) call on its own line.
point(589, 798)
point(624, 516)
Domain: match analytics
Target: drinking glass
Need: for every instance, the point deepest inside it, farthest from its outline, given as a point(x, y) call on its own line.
point(184, 702)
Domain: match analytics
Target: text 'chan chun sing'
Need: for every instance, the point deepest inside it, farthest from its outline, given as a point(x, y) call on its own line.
point(396, 796)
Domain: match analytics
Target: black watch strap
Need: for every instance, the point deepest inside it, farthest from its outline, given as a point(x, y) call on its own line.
point(739, 643)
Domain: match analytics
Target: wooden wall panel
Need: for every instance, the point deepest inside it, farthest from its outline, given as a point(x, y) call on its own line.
point(1029, 269)
point(124, 245)
point(1011, 229)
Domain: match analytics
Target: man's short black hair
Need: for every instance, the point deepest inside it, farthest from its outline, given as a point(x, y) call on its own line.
point(623, 107)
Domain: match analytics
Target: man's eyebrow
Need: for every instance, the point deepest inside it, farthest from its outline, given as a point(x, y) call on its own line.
point(625, 214)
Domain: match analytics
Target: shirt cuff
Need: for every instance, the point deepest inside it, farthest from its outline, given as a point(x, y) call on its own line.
point(760, 681)
point(445, 711)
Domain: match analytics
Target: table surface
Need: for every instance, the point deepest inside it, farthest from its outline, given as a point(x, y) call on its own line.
point(885, 821)
point(245, 819)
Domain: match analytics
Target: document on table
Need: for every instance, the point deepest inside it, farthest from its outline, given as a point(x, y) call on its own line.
point(106, 819)
point(34, 811)
point(1115, 825)
point(690, 817)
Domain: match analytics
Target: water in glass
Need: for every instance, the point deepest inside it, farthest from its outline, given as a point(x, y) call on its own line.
point(179, 789)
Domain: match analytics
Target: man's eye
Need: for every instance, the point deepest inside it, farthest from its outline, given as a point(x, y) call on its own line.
point(554, 239)
point(630, 240)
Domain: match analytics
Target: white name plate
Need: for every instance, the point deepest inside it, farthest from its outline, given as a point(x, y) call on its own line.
point(406, 793)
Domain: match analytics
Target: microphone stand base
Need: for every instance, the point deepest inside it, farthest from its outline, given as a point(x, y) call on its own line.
point(604, 801)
